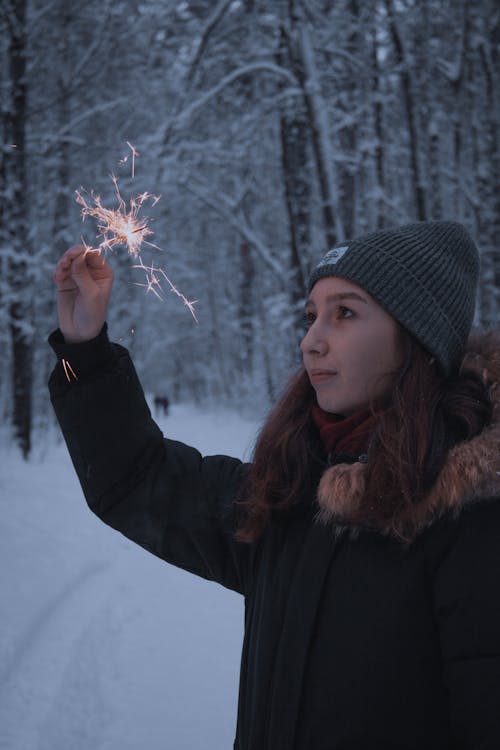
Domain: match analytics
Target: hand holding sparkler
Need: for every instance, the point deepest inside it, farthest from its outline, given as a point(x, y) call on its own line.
point(84, 281)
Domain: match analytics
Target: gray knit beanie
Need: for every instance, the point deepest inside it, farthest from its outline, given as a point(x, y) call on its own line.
point(424, 274)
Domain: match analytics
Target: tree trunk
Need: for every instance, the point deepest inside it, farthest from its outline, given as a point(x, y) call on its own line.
point(294, 131)
point(322, 147)
point(246, 308)
point(15, 213)
point(348, 137)
point(379, 136)
point(487, 182)
point(415, 171)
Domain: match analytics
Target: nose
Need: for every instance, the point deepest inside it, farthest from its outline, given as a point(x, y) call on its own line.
point(314, 342)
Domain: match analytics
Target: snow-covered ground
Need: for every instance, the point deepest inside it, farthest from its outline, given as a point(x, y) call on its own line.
point(103, 646)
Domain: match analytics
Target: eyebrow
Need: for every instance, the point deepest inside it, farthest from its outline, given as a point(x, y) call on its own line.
point(340, 296)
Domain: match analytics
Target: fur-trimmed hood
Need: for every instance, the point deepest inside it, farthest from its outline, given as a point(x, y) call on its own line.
point(470, 473)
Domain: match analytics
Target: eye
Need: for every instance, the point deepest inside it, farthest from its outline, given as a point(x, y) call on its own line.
point(309, 318)
point(343, 310)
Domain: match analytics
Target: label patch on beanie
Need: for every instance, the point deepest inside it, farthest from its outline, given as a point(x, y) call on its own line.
point(333, 255)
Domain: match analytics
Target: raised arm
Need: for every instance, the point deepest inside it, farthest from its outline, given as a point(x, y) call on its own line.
point(160, 493)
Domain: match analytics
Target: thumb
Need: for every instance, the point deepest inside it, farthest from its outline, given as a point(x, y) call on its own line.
point(80, 274)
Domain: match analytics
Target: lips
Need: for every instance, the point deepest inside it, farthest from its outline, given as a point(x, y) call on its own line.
point(321, 376)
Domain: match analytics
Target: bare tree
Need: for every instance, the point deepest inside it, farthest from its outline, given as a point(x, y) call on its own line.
point(15, 242)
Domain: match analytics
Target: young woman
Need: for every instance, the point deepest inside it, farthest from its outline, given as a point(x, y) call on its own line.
point(365, 534)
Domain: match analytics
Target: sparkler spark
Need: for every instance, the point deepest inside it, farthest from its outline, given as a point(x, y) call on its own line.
point(118, 226)
point(68, 370)
point(154, 285)
point(123, 226)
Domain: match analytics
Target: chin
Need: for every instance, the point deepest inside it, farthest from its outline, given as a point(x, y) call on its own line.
point(330, 406)
point(333, 406)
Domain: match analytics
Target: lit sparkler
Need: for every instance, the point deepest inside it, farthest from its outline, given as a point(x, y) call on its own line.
point(124, 226)
point(118, 226)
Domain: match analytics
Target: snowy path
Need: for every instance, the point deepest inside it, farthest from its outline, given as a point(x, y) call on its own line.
point(103, 646)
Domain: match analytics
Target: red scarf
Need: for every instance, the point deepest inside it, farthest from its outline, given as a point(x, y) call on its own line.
point(349, 435)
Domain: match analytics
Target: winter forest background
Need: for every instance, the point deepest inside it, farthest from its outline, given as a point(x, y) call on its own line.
point(272, 130)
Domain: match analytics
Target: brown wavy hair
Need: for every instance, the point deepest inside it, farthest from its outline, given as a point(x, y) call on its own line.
point(422, 418)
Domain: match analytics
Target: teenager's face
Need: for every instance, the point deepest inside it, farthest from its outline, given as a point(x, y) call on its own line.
point(350, 348)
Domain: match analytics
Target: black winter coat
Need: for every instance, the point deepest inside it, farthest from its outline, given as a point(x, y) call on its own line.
point(353, 641)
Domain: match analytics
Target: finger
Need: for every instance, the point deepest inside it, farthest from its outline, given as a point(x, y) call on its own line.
point(60, 273)
point(98, 267)
point(68, 257)
point(62, 269)
point(74, 251)
point(64, 262)
point(79, 272)
point(94, 259)
point(63, 281)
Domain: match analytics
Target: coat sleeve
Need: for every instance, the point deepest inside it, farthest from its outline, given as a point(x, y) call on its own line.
point(160, 493)
point(467, 605)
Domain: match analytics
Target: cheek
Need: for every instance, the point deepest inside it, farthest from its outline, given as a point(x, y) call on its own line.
point(372, 354)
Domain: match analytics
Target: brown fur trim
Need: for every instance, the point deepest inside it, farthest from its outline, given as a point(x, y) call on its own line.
point(471, 471)
point(341, 490)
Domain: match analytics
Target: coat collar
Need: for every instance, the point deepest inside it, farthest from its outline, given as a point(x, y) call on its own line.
point(470, 473)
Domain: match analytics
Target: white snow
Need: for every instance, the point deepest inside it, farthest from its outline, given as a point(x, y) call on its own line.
point(102, 645)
